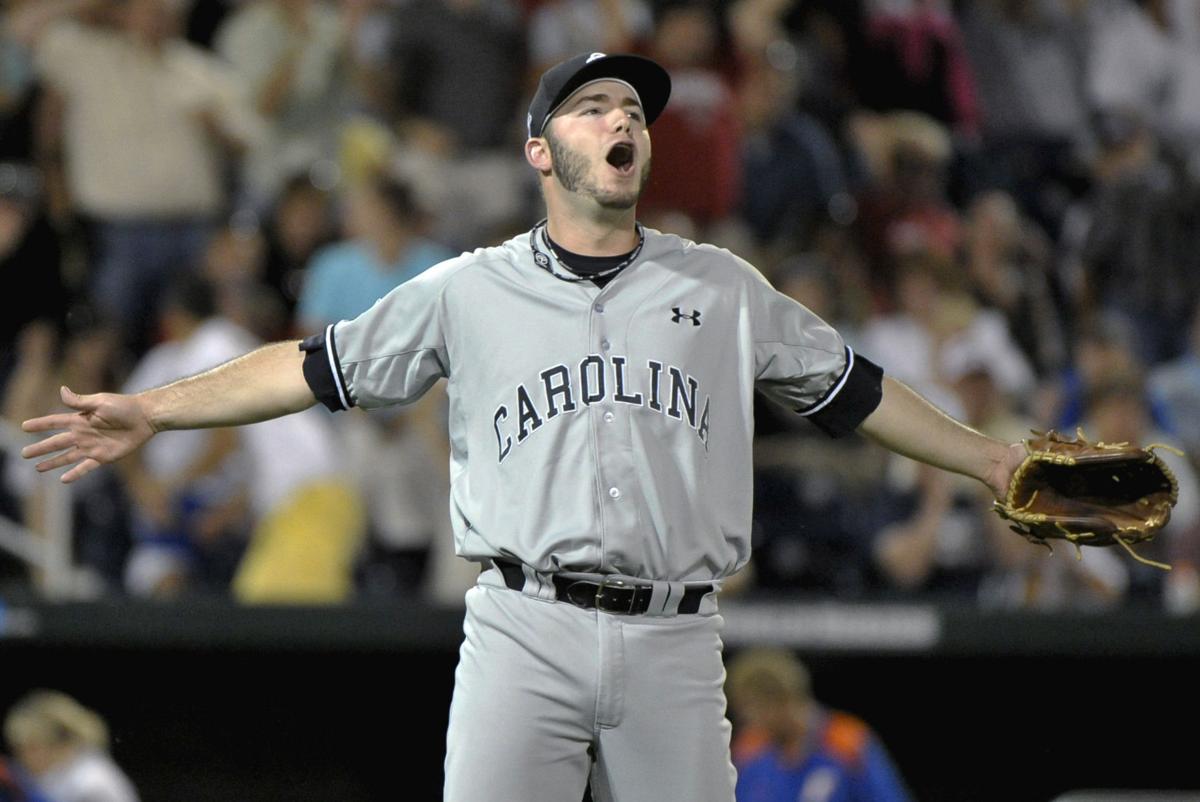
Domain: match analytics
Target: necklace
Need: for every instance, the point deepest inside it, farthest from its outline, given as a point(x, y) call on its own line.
point(546, 263)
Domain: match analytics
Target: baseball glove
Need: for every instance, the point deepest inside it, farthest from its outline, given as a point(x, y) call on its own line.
point(1090, 494)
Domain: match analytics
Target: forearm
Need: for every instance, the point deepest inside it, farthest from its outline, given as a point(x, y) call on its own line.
point(906, 423)
point(263, 384)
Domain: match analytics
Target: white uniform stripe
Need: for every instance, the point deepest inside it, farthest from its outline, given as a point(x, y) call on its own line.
point(837, 387)
point(333, 368)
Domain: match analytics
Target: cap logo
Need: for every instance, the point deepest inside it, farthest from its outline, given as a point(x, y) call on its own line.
point(593, 57)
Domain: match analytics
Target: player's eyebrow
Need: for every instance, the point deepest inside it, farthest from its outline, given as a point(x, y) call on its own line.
point(601, 97)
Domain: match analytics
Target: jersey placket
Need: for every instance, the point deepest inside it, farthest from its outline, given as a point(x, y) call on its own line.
point(611, 425)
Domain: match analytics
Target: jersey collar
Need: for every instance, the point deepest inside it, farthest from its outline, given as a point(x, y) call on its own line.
point(549, 261)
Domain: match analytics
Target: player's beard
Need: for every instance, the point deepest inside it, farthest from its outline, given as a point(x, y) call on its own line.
point(570, 167)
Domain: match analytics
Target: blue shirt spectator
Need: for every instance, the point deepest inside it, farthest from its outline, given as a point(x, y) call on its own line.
point(346, 278)
point(383, 249)
point(843, 762)
point(788, 747)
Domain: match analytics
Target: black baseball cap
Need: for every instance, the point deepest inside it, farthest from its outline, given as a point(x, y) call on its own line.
point(648, 79)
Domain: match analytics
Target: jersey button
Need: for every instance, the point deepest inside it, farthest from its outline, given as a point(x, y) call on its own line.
point(605, 344)
point(599, 308)
point(614, 492)
point(609, 417)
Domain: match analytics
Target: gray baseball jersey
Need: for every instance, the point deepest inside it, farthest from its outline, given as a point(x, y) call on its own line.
point(596, 429)
point(604, 431)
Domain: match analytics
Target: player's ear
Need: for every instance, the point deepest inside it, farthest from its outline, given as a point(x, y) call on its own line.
point(537, 153)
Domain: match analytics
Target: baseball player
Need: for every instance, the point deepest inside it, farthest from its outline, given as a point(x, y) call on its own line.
point(600, 378)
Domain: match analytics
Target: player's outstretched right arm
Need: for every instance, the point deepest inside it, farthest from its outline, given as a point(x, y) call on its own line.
point(263, 384)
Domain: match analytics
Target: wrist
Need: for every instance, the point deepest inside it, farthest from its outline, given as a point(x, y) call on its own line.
point(152, 410)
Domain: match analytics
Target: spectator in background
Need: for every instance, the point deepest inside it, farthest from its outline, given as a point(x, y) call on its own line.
point(814, 498)
point(914, 59)
point(828, 39)
point(937, 326)
point(1008, 264)
point(457, 68)
point(1103, 348)
point(29, 257)
point(293, 58)
point(558, 29)
point(788, 747)
point(235, 266)
point(148, 119)
point(1028, 59)
point(1144, 59)
point(19, 94)
point(15, 786)
point(397, 457)
point(906, 208)
point(384, 247)
point(937, 545)
point(1138, 246)
point(1176, 385)
point(30, 116)
point(64, 746)
point(189, 518)
point(86, 352)
point(301, 223)
point(453, 75)
point(697, 141)
point(792, 174)
point(276, 480)
point(937, 537)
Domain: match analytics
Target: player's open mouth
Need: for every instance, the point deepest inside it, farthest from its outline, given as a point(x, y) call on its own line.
point(621, 157)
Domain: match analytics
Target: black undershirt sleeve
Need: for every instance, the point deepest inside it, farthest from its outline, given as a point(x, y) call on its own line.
point(323, 372)
point(850, 400)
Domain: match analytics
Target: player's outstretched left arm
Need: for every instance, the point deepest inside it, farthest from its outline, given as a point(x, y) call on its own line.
point(908, 424)
point(103, 428)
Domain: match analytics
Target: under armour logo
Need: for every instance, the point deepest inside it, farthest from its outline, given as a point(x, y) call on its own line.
point(679, 316)
point(542, 259)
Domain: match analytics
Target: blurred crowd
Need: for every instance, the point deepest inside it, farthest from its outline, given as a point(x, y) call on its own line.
point(60, 753)
point(996, 200)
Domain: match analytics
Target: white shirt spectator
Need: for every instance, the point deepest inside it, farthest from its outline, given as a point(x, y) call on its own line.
point(302, 129)
point(90, 776)
point(559, 30)
point(136, 146)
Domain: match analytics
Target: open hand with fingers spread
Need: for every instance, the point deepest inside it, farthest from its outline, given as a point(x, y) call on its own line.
point(103, 428)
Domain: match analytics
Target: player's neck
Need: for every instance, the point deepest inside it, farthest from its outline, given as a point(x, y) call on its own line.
point(610, 233)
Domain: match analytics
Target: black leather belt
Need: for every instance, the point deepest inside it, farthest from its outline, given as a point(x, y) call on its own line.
point(609, 595)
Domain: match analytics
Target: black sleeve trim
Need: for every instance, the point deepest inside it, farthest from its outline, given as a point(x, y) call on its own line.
point(323, 371)
point(850, 400)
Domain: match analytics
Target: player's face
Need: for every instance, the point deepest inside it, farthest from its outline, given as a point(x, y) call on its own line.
point(600, 146)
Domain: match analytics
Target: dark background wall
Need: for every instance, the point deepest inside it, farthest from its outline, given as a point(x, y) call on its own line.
point(205, 718)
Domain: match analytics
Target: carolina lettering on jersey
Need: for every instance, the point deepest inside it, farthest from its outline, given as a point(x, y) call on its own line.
point(561, 388)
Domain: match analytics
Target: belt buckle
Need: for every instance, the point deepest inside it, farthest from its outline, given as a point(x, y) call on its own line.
point(615, 584)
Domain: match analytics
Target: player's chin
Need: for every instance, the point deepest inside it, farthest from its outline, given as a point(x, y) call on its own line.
point(619, 200)
point(624, 192)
